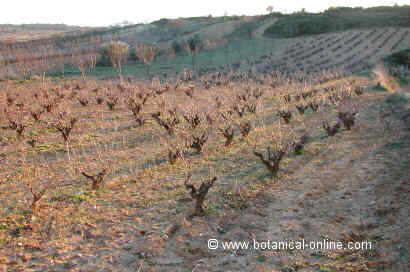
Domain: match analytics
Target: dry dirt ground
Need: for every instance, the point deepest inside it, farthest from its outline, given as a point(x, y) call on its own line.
point(350, 187)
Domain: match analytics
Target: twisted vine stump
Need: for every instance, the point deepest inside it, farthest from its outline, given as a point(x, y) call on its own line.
point(97, 180)
point(199, 194)
point(36, 197)
point(245, 128)
point(331, 130)
point(299, 145)
point(173, 156)
point(285, 115)
point(273, 159)
point(348, 119)
point(198, 142)
point(228, 133)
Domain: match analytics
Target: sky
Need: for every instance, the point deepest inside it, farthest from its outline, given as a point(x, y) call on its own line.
point(104, 13)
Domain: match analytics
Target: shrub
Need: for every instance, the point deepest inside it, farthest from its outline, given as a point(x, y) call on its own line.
point(193, 46)
point(177, 48)
point(401, 58)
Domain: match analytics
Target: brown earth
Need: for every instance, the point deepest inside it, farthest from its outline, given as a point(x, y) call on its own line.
point(350, 187)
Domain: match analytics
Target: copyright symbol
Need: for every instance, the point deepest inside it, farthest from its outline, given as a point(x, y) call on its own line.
point(213, 244)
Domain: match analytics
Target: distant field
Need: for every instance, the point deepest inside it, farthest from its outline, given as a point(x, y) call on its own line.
point(13, 33)
point(353, 51)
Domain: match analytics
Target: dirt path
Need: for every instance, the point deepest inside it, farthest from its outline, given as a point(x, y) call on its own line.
point(258, 33)
point(355, 190)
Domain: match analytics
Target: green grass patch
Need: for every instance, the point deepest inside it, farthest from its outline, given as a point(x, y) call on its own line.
point(207, 60)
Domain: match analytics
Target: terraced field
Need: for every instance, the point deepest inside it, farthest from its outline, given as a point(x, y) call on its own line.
point(351, 50)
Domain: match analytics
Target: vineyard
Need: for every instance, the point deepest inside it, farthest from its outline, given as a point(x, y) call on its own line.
point(352, 51)
point(308, 141)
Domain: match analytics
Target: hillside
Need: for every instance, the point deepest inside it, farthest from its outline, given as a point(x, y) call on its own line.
point(20, 33)
point(354, 50)
point(339, 19)
point(345, 38)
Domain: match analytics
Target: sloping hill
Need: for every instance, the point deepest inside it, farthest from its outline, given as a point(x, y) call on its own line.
point(352, 50)
point(354, 42)
point(339, 19)
point(19, 33)
point(266, 24)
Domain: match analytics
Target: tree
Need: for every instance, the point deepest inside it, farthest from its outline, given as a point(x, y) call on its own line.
point(3, 64)
point(85, 62)
point(194, 45)
point(117, 52)
point(269, 9)
point(147, 54)
point(23, 59)
point(60, 62)
point(176, 47)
